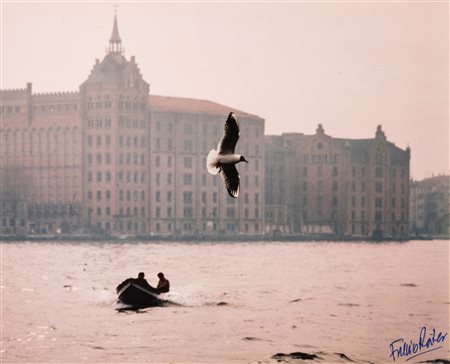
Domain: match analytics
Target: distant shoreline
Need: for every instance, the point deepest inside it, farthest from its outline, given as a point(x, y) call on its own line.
point(206, 238)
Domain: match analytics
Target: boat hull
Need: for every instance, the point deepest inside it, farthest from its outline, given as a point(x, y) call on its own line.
point(137, 296)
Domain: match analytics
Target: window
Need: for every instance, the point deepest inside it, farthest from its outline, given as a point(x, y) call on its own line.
point(378, 216)
point(187, 178)
point(187, 197)
point(188, 145)
point(378, 202)
point(99, 195)
point(335, 171)
point(188, 128)
point(187, 212)
point(187, 162)
point(378, 187)
point(230, 212)
point(378, 172)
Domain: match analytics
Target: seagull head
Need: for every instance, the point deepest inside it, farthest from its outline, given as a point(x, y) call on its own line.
point(242, 159)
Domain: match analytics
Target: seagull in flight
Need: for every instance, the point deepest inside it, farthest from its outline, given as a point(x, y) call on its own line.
point(224, 159)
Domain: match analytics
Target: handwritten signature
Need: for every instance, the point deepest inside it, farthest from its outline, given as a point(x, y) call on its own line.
point(427, 342)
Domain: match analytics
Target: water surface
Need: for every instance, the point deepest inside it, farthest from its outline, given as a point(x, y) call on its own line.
point(238, 303)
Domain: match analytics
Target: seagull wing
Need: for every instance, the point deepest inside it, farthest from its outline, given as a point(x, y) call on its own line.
point(230, 136)
point(231, 178)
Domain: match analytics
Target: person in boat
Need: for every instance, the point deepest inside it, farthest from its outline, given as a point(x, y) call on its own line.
point(143, 282)
point(163, 284)
point(140, 280)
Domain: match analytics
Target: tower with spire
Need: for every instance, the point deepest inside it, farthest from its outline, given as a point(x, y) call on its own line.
point(115, 43)
point(114, 112)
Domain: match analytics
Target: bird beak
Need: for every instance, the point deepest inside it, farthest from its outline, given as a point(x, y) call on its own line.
point(246, 161)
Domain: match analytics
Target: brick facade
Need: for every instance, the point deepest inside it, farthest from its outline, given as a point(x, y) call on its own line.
point(317, 184)
point(113, 159)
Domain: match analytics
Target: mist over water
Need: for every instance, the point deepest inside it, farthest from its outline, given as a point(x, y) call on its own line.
point(235, 302)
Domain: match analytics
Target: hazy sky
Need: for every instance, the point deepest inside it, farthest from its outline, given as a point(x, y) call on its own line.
point(347, 65)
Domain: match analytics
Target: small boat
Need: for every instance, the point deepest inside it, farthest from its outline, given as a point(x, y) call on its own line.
point(137, 296)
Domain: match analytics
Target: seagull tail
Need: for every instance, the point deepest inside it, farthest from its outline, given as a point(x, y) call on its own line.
point(211, 162)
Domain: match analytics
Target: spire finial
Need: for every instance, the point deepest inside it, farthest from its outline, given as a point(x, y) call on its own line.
point(115, 43)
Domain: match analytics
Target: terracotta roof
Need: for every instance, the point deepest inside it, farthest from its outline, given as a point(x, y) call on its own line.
point(194, 106)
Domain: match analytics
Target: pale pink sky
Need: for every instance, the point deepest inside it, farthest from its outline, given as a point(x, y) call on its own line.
point(347, 65)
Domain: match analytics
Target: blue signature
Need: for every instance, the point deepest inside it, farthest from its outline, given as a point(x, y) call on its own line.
point(427, 342)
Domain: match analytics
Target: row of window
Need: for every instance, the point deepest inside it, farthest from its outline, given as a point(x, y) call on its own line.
point(123, 195)
point(122, 176)
point(52, 108)
point(188, 227)
point(123, 212)
point(188, 197)
point(214, 130)
point(320, 158)
point(123, 123)
point(378, 216)
point(124, 159)
point(8, 110)
point(122, 105)
point(188, 212)
point(378, 171)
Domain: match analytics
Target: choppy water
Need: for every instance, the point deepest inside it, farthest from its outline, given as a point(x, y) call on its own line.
point(239, 302)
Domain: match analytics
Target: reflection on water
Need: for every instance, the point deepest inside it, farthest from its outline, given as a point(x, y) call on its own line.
point(246, 302)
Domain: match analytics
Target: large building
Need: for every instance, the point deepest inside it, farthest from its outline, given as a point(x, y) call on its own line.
point(114, 159)
point(317, 184)
point(430, 206)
